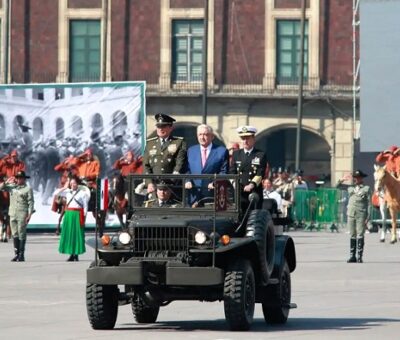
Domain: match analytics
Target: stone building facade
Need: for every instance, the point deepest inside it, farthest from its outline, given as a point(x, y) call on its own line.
point(245, 76)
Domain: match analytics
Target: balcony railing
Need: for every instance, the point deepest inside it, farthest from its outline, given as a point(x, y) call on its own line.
point(164, 85)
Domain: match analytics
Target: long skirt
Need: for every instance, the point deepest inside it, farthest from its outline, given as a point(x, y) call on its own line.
point(72, 240)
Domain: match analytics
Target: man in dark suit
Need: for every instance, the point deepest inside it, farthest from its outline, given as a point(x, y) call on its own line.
point(164, 154)
point(205, 158)
point(250, 164)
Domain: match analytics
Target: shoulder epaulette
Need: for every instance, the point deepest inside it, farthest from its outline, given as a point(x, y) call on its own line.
point(178, 137)
point(150, 139)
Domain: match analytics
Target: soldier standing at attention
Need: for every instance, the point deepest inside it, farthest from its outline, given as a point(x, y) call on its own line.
point(250, 164)
point(357, 215)
point(164, 154)
point(20, 211)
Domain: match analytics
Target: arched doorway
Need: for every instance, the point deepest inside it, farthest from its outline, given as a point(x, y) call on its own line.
point(280, 146)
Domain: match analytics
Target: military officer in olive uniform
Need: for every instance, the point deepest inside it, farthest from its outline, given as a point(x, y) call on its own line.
point(250, 164)
point(20, 211)
point(358, 214)
point(164, 197)
point(164, 154)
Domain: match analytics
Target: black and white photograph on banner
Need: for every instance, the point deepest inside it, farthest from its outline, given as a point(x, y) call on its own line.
point(55, 131)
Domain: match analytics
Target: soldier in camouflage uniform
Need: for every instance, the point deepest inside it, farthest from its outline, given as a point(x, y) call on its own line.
point(20, 211)
point(357, 215)
point(164, 154)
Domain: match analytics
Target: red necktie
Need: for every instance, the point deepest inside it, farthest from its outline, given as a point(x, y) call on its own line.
point(203, 157)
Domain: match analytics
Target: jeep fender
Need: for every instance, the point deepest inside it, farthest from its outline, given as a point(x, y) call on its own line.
point(284, 249)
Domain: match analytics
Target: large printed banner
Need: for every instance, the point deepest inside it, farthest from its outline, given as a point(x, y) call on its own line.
point(46, 123)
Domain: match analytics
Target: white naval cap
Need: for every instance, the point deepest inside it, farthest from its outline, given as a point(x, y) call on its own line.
point(246, 130)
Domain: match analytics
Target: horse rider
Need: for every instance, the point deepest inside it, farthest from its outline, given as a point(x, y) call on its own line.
point(10, 165)
point(88, 167)
point(391, 159)
point(128, 164)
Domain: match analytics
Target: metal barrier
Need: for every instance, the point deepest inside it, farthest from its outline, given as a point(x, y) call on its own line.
point(322, 208)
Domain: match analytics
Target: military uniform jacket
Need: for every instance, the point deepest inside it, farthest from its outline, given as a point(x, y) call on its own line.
point(168, 159)
point(21, 200)
point(251, 168)
point(359, 198)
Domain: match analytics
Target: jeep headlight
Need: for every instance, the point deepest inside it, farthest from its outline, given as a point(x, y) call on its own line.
point(124, 238)
point(200, 237)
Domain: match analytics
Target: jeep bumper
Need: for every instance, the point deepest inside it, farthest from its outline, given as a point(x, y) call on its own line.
point(175, 275)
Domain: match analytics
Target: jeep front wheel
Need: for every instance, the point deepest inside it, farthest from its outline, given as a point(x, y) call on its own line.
point(239, 295)
point(102, 305)
point(276, 308)
point(142, 312)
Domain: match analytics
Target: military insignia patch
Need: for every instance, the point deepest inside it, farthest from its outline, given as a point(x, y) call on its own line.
point(153, 152)
point(172, 148)
point(256, 161)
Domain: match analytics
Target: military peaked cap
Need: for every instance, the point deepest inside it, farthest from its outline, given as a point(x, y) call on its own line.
point(359, 173)
point(163, 119)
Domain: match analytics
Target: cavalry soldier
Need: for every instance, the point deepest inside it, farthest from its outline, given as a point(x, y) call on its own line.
point(250, 164)
point(88, 170)
point(357, 215)
point(10, 165)
point(20, 211)
point(164, 154)
point(391, 159)
point(128, 164)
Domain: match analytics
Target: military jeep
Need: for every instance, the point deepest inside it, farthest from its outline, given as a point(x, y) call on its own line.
point(202, 247)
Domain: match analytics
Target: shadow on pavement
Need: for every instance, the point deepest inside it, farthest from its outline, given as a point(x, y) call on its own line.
point(293, 324)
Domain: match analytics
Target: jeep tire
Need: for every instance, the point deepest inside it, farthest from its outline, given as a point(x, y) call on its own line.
point(102, 305)
point(261, 227)
point(142, 312)
point(239, 295)
point(276, 308)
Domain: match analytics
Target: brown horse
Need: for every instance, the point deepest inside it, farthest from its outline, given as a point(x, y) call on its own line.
point(118, 201)
point(391, 185)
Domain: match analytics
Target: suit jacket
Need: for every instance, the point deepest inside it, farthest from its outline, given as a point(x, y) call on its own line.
point(217, 163)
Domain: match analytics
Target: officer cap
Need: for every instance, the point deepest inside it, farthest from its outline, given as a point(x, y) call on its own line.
point(359, 173)
point(21, 174)
point(163, 184)
point(246, 130)
point(163, 120)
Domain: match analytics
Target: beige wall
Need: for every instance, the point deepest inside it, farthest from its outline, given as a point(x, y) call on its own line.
point(337, 134)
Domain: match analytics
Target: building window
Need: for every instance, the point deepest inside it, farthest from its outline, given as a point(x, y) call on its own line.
point(288, 52)
point(187, 50)
point(37, 128)
point(2, 128)
point(84, 49)
point(60, 131)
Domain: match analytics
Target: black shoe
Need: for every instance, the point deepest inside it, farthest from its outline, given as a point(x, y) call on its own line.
point(71, 258)
point(76, 258)
point(15, 258)
point(359, 260)
point(352, 260)
point(21, 258)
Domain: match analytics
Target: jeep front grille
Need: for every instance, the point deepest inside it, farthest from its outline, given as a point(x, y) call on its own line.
point(173, 239)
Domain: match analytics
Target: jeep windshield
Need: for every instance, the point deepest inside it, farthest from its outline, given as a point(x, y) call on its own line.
point(183, 193)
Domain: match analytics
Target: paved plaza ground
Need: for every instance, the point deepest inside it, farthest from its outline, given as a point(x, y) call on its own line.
point(44, 298)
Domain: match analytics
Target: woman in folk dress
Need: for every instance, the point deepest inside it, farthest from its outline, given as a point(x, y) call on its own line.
point(72, 240)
